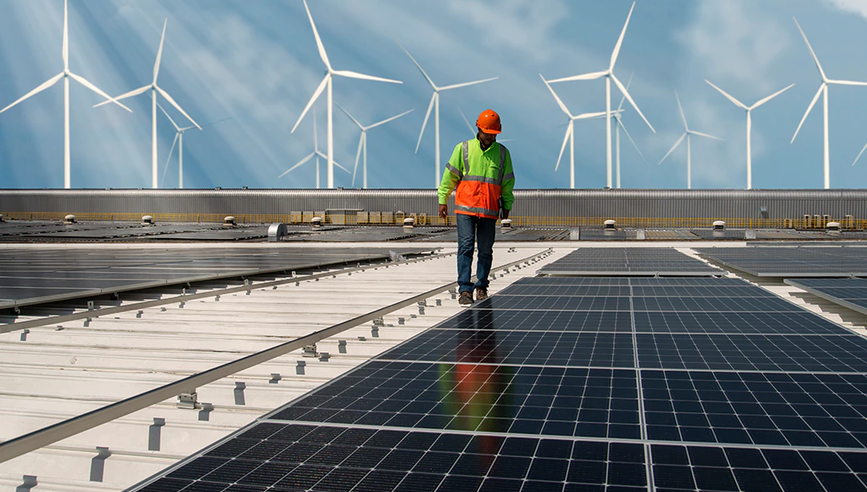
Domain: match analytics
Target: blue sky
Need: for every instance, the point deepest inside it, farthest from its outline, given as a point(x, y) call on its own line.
point(256, 62)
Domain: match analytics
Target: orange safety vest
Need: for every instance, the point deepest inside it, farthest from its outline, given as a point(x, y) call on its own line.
point(479, 195)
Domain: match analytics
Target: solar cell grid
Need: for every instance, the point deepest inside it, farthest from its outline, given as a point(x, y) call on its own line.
point(847, 292)
point(482, 398)
point(795, 323)
point(714, 304)
point(793, 262)
point(319, 458)
point(614, 261)
point(509, 320)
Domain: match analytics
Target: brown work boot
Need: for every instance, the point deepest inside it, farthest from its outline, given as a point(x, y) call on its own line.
point(481, 293)
point(466, 298)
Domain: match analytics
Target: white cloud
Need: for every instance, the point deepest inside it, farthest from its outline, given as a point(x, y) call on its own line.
point(854, 6)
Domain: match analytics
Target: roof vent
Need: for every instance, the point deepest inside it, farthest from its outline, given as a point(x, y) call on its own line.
point(147, 220)
point(610, 224)
point(833, 228)
point(2, 219)
point(229, 221)
point(409, 222)
point(316, 221)
point(506, 223)
point(69, 219)
point(719, 225)
point(276, 231)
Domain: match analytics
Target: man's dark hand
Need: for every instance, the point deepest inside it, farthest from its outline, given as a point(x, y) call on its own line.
point(444, 211)
point(505, 214)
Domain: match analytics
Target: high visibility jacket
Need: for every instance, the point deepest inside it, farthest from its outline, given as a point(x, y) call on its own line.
point(482, 179)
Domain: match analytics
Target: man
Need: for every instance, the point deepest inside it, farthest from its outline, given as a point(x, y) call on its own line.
point(481, 170)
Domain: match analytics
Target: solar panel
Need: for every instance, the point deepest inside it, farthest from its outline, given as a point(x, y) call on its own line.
point(628, 261)
point(598, 234)
point(847, 292)
point(735, 234)
point(752, 395)
point(793, 262)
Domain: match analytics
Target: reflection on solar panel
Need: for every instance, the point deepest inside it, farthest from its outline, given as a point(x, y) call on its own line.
point(742, 397)
point(793, 262)
point(628, 261)
point(848, 292)
point(29, 276)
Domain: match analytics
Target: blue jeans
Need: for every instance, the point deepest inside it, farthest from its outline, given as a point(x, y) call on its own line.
point(471, 230)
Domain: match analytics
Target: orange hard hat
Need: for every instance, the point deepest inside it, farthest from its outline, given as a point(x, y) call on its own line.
point(489, 122)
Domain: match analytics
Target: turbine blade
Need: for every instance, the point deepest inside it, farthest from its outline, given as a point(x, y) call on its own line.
point(390, 119)
point(622, 99)
point(563, 147)
point(623, 127)
point(316, 94)
point(160, 52)
point(426, 116)
point(84, 82)
point(763, 101)
point(809, 108)
point(586, 76)
point(589, 116)
point(45, 85)
point(356, 75)
point(320, 154)
point(812, 53)
point(559, 102)
point(357, 156)
point(170, 118)
point(65, 50)
point(300, 163)
point(429, 81)
point(620, 39)
point(679, 140)
point(467, 121)
point(700, 134)
point(728, 96)
point(168, 159)
point(125, 96)
point(455, 86)
point(322, 53)
point(177, 106)
point(859, 154)
point(680, 107)
point(629, 98)
point(350, 116)
point(847, 82)
point(207, 124)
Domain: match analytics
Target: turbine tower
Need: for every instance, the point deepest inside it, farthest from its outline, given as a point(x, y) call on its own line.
point(316, 153)
point(435, 103)
point(154, 88)
point(570, 133)
point(749, 110)
point(609, 76)
point(362, 142)
point(618, 118)
point(687, 134)
point(326, 82)
point(179, 140)
point(66, 74)
point(823, 91)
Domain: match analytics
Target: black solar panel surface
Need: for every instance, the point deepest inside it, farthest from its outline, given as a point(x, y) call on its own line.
point(738, 398)
point(794, 262)
point(848, 292)
point(628, 261)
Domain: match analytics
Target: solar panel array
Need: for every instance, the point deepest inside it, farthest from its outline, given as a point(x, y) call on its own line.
point(584, 384)
point(29, 276)
point(628, 261)
point(848, 292)
point(816, 261)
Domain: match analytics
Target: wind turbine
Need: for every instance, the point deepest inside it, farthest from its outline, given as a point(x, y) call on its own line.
point(618, 118)
point(326, 82)
point(749, 110)
point(609, 76)
point(179, 140)
point(823, 91)
point(435, 103)
point(570, 133)
point(154, 88)
point(686, 134)
point(66, 74)
point(362, 142)
point(316, 153)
